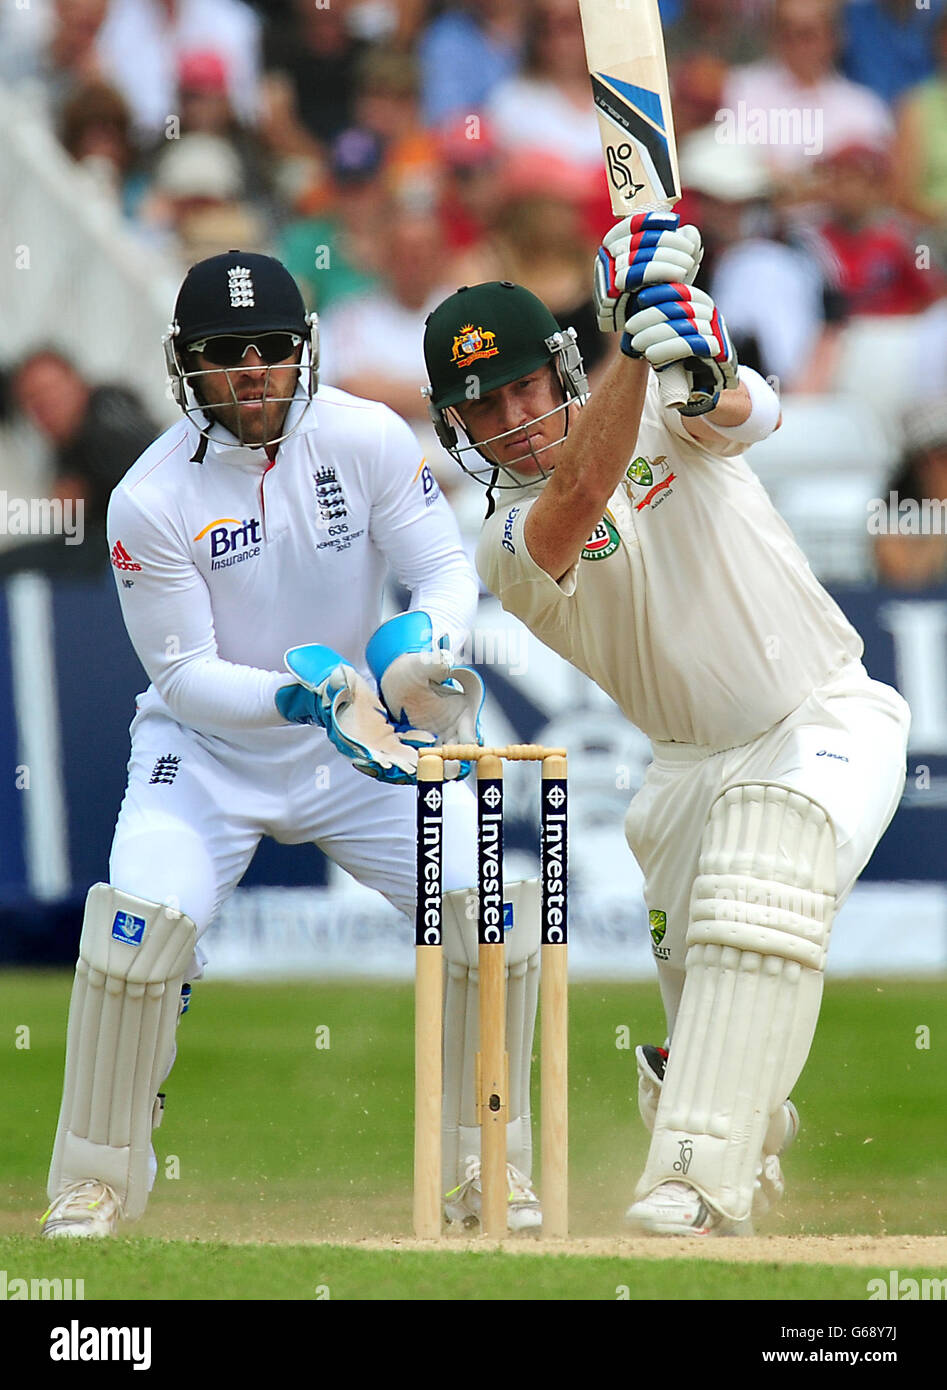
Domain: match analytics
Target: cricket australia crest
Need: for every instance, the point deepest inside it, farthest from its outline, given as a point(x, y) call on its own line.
point(648, 481)
point(471, 344)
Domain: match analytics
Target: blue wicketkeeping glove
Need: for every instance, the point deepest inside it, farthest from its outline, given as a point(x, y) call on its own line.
point(422, 688)
point(331, 693)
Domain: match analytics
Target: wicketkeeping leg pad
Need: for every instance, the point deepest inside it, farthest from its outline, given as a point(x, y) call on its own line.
point(761, 915)
point(126, 1000)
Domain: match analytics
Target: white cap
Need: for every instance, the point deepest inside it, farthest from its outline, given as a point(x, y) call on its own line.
point(733, 172)
point(200, 165)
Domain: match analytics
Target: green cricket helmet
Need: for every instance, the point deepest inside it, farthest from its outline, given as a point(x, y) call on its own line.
point(481, 338)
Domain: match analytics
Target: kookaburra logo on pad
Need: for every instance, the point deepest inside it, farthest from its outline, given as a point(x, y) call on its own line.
point(240, 284)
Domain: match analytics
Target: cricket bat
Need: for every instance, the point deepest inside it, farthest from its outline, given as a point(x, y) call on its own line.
point(624, 47)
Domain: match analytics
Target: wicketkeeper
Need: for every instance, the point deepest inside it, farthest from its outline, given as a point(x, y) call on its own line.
point(250, 545)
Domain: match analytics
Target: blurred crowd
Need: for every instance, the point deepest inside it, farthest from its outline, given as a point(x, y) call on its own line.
point(390, 150)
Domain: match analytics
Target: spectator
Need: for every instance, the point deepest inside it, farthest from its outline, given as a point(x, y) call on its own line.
point(796, 106)
point(547, 110)
point(24, 39)
point(911, 547)
point(55, 48)
point(874, 258)
point(141, 43)
point(336, 255)
point(387, 103)
point(95, 433)
point(318, 51)
point(540, 242)
point(199, 201)
point(718, 27)
point(205, 107)
point(697, 85)
point(372, 342)
point(920, 153)
point(95, 129)
point(774, 293)
point(466, 52)
point(473, 186)
point(887, 44)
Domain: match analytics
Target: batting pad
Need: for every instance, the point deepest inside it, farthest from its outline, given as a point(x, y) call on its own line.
point(761, 914)
point(126, 997)
point(461, 1133)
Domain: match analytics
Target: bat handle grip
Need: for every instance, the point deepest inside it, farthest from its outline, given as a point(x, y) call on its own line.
point(675, 386)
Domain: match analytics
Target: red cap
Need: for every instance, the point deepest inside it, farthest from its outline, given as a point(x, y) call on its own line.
point(202, 71)
point(859, 154)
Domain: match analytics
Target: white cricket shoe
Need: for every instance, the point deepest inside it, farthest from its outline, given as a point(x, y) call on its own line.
point(88, 1208)
point(783, 1128)
point(462, 1205)
point(677, 1209)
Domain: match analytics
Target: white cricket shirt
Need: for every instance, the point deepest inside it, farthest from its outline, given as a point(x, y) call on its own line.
point(224, 561)
point(692, 605)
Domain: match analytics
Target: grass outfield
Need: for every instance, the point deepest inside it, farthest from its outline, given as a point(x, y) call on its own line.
point(146, 1268)
point(288, 1136)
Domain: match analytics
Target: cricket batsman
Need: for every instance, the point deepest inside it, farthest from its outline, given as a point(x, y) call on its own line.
point(637, 542)
point(250, 545)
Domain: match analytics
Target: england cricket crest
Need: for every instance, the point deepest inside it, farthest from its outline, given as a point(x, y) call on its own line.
point(471, 344)
point(648, 481)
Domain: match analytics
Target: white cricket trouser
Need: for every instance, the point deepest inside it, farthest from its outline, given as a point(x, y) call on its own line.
point(844, 748)
point(196, 808)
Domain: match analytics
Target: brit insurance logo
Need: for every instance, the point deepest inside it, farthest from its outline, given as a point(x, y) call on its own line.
point(604, 540)
point(231, 541)
point(648, 481)
point(429, 485)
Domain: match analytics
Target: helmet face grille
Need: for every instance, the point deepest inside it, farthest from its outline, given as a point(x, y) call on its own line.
point(480, 339)
point(245, 294)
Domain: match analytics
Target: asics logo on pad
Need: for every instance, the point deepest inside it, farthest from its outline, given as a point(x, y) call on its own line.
point(128, 928)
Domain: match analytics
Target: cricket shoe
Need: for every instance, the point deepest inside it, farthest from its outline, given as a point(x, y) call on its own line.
point(88, 1208)
point(783, 1127)
point(524, 1215)
point(677, 1209)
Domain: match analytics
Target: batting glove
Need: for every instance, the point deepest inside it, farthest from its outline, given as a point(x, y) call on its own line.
point(676, 323)
point(647, 249)
point(331, 693)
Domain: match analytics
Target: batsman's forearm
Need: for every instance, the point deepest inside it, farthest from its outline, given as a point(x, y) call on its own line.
point(602, 437)
point(733, 407)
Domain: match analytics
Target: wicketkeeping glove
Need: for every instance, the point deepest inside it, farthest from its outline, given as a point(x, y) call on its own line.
point(331, 693)
point(422, 688)
point(676, 323)
point(647, 249)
